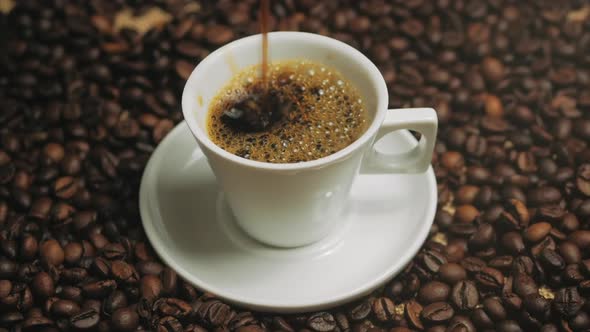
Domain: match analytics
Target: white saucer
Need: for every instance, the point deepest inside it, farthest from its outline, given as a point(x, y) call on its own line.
point(189, 225)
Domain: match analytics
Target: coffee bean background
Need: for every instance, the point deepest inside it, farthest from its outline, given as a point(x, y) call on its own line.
point(88, 88)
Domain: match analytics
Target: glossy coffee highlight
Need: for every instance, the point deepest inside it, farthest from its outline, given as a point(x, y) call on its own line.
point(305, 111)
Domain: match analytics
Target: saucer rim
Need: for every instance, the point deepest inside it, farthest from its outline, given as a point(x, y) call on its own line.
point(147, 211)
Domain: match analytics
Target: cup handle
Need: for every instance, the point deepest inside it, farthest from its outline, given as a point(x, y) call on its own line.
point(417, 160)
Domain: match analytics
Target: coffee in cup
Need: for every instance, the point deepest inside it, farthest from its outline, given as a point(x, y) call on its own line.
point(303, 111)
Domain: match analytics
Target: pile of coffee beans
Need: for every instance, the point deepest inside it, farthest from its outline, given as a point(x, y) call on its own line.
point(84, 100)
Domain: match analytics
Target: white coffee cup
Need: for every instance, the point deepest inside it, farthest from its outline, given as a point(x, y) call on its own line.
point(290, 205)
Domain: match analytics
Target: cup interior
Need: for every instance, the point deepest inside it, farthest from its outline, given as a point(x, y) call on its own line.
point(215, 71)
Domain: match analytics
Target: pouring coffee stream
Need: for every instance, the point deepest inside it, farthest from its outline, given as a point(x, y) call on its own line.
point(264, 17)
point(259, 110)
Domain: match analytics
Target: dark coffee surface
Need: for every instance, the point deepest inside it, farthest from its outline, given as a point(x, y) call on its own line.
point(308, 111)
point(83, 104)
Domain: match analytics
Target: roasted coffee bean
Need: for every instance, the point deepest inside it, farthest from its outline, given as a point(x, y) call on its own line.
point(517, 212)
point(583, 179)
point(411, 284)
point(91, 304)
point(61, 214)
point(215, 313)
point(570, 252)
point(465, 295)
point(197, 328)
point(72, 252)
point(437, 312)
point(116, 300)
point(383, 309)
point(481, 319)
point(543, 195)
point(583, 209)
point(552, 260)
point(511, 301)
point(71, 164)
point(466, 213)
point(484, 236)
point(455, 251)
point(169, 281)
point(549, 328)
point(546, 243)
point(494, 309)
point(22, 199)
point(359, 311)
point(462, 230)
point(149, 267)
point(473, 264)
point(65, 308)
point(124, 272)
point(508, 326)
point(466, 194)
point(432, 260)
point(434, 291)
point(476, 146)
point(493, 69)
point(11, 318)
point(52, 253)
point(523, 284)
point(173, 307)
point(413, 311)
point(99, 289)
point(250, 328)
point(461, 324)
point(101, 267)
point(490, 278)
point(580, 322)
point(65, 187)
point(452, 273)
point(71, 293)
point(280, 323)
point(43, 285)
point(114, 251)
point(41, 208)
point(501, 262)
point(580, 238)
point(219, 34)
point(400, 329)
point(36, 323)
point(85, 320)
point(28, 247)
point(551, 212)
point(567, 301)
point(537, 232)
point(246, 318)
point(124, 319)
point(168, 324)
point(5, 288)
point(54, 151)
point(83, 219)
point(98, 240)
point(150, 287)
point(536, 305)
point(513, 243)
point(321, 322)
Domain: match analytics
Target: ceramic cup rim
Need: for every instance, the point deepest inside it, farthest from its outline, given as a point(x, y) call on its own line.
point(337, 48)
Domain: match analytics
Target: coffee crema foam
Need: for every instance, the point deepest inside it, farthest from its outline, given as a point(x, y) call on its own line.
point(328, 113)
